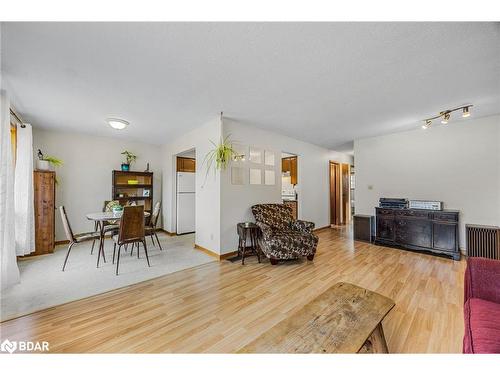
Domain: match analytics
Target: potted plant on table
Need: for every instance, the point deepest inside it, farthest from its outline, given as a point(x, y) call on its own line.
point(130, 158)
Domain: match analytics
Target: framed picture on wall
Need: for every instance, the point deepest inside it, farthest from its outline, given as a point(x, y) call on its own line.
point(237, 176)
point(255, 155)
point(269, 158)
point(269, 177)
point(255, 176)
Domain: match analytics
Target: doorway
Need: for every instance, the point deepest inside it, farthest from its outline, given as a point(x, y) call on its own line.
point(185, 193)
point(340, 204)
point(289, 182)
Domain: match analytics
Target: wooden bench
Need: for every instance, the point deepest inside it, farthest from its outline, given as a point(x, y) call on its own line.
point(344, 319)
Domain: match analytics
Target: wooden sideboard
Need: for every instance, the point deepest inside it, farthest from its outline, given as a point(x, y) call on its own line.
point(44, 183)
point(420, 230)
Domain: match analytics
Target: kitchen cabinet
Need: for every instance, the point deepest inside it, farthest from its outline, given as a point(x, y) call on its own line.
point(290, 165)
point(186, 164)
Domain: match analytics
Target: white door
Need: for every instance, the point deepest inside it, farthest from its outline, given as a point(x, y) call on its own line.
point(186, 182)
point(185, 212)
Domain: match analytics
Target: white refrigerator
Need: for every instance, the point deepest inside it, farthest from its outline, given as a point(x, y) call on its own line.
point(185, 202)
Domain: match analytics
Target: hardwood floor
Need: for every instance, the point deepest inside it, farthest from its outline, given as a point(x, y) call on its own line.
point(221, 307)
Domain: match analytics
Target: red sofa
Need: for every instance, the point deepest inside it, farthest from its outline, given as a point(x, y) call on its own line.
point(482, 306)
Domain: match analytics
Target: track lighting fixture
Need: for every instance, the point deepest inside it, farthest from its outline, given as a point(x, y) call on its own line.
point(446, 115)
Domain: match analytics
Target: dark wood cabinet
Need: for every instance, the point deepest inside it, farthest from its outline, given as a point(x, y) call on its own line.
point(364, 228)
point(426, 230)
point(44, 184)
point(385, 228)
point(413, 231)
point(444, 236)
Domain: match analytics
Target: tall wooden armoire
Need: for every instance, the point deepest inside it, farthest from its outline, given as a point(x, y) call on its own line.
point(44, 196)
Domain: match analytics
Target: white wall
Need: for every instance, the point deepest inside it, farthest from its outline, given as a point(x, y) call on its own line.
point(207, 201)
point(313, 180)
point(458, 164)
point(85, 179)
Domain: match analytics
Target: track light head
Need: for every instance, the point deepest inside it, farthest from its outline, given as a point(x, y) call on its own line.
point(446, 118)
point(466, 112)
point(427, 124)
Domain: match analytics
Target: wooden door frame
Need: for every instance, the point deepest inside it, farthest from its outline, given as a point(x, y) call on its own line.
point(346, 196)
point(340, 200)
point(335, 192)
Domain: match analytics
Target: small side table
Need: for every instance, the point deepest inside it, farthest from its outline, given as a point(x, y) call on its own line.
point(247, 231)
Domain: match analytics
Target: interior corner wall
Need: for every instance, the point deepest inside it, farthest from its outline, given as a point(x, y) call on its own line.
point(207, 197)
point(458, 164)
point(313, 180)
point(85, 178)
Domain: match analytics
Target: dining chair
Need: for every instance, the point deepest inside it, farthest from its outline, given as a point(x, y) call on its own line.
point(151, 228)
point(72, 238)
point(109, 226)
point(131, 231)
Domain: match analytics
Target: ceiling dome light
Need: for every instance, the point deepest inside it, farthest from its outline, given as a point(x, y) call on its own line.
point(466, 112)
point(117, 123)
point(446, 118)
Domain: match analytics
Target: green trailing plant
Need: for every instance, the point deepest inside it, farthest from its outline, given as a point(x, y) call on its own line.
point(129, 156)
point(219, 157)
point(53, 160)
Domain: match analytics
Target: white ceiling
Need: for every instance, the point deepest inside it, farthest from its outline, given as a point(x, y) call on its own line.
point(326, 83)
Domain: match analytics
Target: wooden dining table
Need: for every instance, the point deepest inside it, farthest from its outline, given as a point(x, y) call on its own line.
point(99, 218)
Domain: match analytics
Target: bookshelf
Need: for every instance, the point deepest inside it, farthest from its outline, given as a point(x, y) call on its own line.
point(126, 192)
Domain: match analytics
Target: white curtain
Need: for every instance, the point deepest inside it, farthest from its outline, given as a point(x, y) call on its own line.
point(23, 192)
point(9, 272)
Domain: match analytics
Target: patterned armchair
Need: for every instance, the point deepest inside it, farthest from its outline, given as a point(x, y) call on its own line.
point(282, 236)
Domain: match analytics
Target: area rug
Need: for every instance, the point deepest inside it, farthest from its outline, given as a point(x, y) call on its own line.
point(44, 285)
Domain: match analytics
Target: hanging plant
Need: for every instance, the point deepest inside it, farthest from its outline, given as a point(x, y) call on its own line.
point(219, 157)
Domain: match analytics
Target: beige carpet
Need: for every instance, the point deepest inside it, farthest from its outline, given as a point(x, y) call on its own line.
point(44, 285)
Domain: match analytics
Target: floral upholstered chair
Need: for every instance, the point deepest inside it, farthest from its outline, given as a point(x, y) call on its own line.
point(282, 236)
